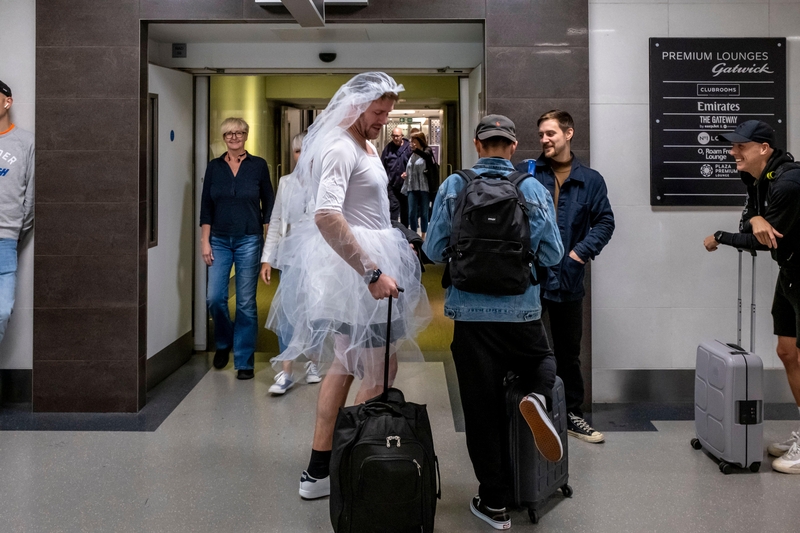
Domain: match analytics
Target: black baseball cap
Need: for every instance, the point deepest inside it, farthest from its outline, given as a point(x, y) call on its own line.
point(5, 89)
point(752, 131)
point(496, 126)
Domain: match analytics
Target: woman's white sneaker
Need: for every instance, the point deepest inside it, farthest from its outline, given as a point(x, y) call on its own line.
point(777, 449)
point(788, 463)
point(283, 382)
point(312, 372)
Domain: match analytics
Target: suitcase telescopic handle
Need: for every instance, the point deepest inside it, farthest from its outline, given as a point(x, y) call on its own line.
point(388, 347)
point(752, 304)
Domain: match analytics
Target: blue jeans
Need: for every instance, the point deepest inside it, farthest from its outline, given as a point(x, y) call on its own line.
point(418, 202)
point(245, 253)
point(8, 281)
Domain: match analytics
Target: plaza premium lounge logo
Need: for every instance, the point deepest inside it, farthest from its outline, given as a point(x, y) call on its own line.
point(727, 62)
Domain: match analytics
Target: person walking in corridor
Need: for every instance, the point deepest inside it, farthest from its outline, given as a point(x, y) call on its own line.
point(235, 210)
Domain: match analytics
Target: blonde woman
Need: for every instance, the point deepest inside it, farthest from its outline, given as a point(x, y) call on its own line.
point(234, 214)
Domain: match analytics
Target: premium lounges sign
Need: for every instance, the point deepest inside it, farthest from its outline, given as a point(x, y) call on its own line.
point(700, 88)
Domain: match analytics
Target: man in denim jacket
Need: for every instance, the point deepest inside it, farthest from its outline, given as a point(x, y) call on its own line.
point(497, 334)
point(586, 223)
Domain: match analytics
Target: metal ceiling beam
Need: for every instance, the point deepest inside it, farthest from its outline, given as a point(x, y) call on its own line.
point(310, 13)
point(307, 13)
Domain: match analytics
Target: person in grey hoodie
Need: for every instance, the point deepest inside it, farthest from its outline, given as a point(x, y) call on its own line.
point(16, 200)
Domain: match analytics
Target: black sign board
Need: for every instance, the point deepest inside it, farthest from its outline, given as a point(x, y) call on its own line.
point(700, 88)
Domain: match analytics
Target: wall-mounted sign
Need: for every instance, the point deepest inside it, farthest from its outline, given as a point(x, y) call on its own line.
point(700, 88)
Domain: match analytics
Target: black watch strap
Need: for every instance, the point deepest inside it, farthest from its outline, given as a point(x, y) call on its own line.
point(375, 275)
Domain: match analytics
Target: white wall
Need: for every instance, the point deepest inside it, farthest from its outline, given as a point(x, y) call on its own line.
point(472, 109)
point(299, 55)
point(18, 71)
point(169, 265)
point(656, 292)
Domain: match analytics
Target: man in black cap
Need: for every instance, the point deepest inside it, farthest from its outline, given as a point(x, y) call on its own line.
point(16, 200)
point(497, 333)
point(771, 220)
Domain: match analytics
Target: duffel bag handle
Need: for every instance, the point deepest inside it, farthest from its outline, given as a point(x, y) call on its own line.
point(385, 394)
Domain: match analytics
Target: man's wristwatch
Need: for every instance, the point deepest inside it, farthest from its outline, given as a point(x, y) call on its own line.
point(371, 276)
point(718, 236)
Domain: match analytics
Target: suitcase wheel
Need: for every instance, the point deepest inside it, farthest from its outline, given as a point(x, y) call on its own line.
point(696, 444)
point(533, 515)
point(566, 490)
point(725, 468)
point(755, 467)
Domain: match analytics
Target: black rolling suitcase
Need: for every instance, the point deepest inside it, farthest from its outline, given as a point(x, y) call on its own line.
point(535, 478)
point(384, 470)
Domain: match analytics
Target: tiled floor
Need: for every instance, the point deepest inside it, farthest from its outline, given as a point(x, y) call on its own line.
point(228, 459)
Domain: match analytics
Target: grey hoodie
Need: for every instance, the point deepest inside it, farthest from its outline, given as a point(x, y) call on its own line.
point(16, 183)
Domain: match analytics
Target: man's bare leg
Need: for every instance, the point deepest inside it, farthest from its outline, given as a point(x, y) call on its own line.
point(372, 384)
point(789, 354)
point(332, 395)
point(788, 453)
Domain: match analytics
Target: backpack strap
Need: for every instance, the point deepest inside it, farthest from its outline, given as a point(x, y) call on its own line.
point(518, 177)
point(467, 175)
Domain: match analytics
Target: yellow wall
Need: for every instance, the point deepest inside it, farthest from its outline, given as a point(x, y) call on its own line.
point(324, 86)
point(240, 96)
point(254, 99)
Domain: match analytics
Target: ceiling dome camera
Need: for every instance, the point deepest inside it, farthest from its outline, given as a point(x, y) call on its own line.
point(327, 57)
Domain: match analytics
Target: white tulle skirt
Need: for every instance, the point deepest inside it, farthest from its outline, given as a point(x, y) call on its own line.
point(325, 312)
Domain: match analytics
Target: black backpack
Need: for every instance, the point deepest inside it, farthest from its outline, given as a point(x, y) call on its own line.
point(490, 243)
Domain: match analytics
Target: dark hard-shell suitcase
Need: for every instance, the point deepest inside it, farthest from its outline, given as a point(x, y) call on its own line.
point(729, 398)
point(536, 478)
point(384, 470)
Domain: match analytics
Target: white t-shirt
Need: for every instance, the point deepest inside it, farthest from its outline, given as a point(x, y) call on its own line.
point(353, 182)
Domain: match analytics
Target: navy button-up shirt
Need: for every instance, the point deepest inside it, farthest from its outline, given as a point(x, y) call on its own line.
point(240, 205)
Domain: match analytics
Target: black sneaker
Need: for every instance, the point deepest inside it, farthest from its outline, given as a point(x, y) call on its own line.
point(579, 428)
point(221, 358)
point(245, 373)
point(497, 518)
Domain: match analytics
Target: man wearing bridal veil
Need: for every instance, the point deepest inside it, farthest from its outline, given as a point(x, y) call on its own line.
point(342, 263)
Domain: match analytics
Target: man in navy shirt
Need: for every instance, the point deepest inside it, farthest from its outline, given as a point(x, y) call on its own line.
point(586, 223)
point(395, 157)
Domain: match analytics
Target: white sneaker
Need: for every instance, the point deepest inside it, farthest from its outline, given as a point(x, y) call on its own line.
point(777, 449)
point(283, 382)
point(544, 433)
point(312, 373)
point(312, 488)
point(788, 463)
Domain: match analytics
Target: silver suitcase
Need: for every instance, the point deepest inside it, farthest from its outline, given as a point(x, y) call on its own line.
point(729, 397)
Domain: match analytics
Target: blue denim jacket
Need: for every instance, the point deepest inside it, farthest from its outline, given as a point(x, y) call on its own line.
point(545, 242)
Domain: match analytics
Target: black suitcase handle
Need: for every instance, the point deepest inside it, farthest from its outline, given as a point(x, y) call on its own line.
point(384, 394)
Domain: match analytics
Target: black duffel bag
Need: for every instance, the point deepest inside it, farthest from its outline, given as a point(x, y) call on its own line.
point(384, 469)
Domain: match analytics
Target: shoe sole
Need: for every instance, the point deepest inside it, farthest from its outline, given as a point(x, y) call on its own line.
point(308, 495)
point(544, 434)
point(280, 392)
point(313, 381)
point(586, 438)
point(494, 523)
point(245, 378)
